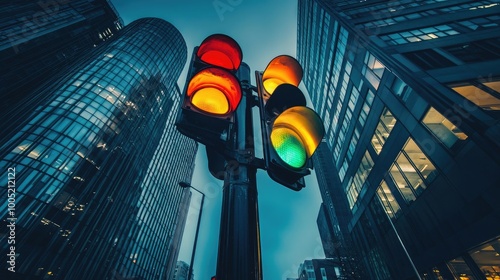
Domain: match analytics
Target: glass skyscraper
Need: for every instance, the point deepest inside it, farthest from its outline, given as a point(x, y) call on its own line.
point(96, 165)
point(409, 92)
point(39, 39)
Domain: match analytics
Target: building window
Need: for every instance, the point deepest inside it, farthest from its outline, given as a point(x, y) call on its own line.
point(442, 128)
point(411, 170)
point(387, 199)
point(485, 95)
point(400, 89)
point(481, 23)
point(418, 35)
point(365, 110)
point(384, 128)
point(373, 70)
point(460, 269)
point(484, 50)
point(358, 181)
point(487, 258)
point(429, 59)
point(323, 273)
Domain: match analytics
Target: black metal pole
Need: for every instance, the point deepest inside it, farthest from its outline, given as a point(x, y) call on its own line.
point(196, 234)
point(186, 185)
point(239, 254)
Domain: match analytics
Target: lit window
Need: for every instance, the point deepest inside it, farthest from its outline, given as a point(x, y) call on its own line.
point(373, 70)
point(493, 85)
point(384, 128)
point(387, 199)
point(479, 97)
point(487, 257)
point(410, 169)
point(375, 65)
point(445, 130)
point(460, 269)
point(358, 181)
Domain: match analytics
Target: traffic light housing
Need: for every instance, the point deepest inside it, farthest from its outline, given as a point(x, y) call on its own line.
point(212, 91)
point(291, 132)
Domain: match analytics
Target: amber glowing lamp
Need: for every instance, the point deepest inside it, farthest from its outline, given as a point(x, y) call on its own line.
point(283, 69)
point(214, 91)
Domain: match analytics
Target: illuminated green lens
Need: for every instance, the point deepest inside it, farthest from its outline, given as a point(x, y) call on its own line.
point(288, 146)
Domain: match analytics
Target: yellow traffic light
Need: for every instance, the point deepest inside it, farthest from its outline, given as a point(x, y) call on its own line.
point(282, 69)
point(214, 91)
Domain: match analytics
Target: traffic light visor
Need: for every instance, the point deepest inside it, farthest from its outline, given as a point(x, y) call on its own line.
point(283, 69)
point(296, 134)
point(220, 50)
point(214, 91)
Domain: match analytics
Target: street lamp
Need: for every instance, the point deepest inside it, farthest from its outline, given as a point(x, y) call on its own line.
point(186, 185)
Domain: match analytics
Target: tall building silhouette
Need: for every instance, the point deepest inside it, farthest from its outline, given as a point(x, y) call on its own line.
point(182, 271)
point(409, 92)
point(97, 165)
point(319, 269)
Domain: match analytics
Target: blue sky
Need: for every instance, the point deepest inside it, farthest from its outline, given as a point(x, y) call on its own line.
point(263, 29)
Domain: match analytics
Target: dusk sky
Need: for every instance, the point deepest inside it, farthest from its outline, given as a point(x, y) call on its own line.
point(263, 29)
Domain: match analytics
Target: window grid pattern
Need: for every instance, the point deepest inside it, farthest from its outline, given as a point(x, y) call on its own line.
point(341, 134)
point(422, 34)
point(450, 9)
point(387, 9)
point(332, 88)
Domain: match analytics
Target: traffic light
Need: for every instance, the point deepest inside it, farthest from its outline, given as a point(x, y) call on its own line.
point(212, 91)
point(291, 132)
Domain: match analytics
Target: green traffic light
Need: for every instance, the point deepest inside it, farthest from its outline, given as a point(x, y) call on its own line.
point(288, 146)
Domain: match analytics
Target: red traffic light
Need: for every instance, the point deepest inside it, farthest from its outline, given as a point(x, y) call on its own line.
point(220, 50)
point(214, 91)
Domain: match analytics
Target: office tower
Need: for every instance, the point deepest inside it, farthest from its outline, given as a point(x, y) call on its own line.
point(333, 216)
point(97, 165)
point(39, 39)
point(181, 271)
point(319, 270)
point(409, 92)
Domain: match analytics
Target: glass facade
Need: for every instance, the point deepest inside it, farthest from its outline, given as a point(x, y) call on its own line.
point(41, 39)
point(97, 164)
point(408, 92)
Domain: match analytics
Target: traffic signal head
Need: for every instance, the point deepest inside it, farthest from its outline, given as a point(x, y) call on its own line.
point(291, 131)
point(282, 69)
point(212, 91)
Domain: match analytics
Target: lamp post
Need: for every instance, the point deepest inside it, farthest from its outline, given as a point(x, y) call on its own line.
point(186, 185)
